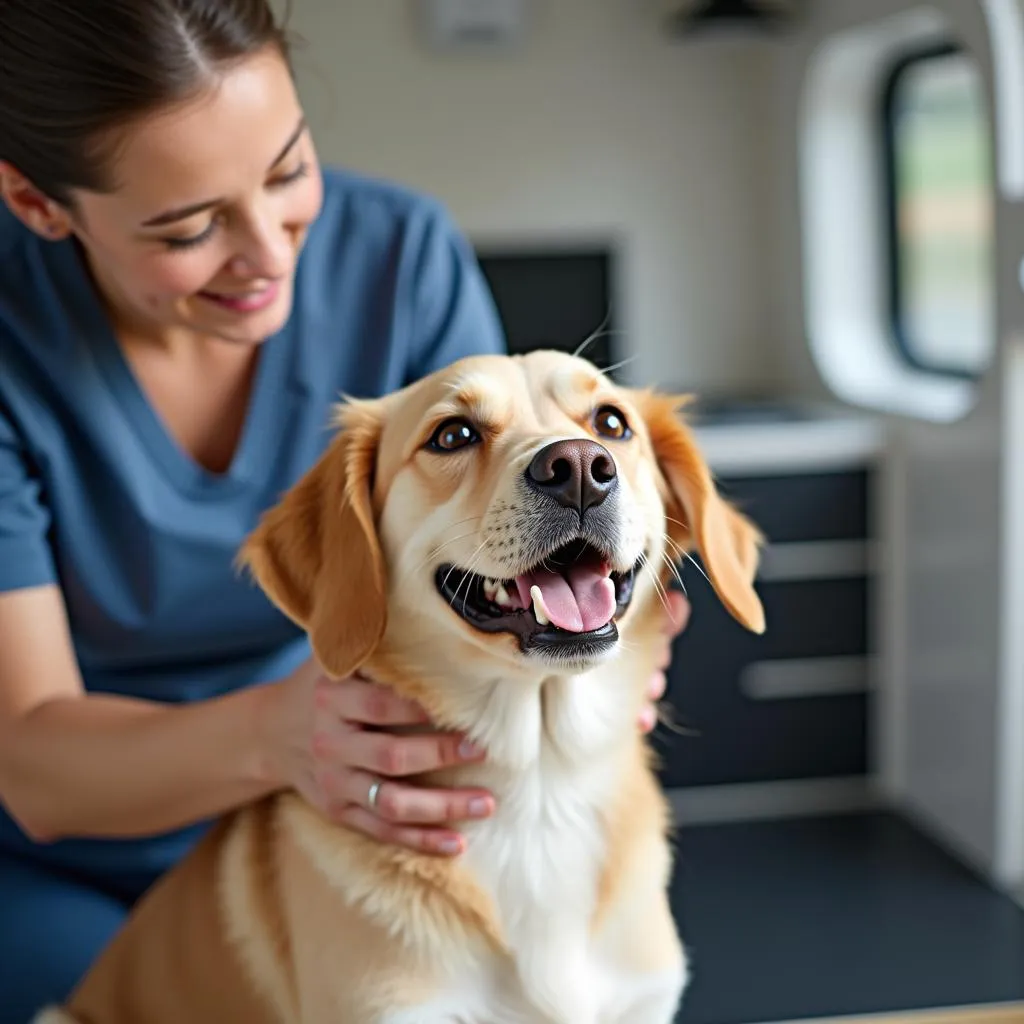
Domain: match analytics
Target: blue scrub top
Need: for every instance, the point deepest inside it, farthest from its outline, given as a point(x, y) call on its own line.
point(97, 497)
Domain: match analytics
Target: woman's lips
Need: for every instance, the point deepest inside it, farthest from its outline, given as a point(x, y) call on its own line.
point(245, 302)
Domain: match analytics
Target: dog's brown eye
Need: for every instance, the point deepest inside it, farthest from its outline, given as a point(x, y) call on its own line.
point(453, 435)
point(609, 422)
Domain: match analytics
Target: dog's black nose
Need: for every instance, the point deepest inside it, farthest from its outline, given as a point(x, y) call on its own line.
point(577, 474)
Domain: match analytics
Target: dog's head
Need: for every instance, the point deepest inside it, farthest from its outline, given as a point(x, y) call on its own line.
point(523, 505)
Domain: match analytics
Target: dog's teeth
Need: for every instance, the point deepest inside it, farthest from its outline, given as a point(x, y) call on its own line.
point(539, 608)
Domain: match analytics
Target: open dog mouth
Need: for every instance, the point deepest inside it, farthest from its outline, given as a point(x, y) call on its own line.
point(570, 599)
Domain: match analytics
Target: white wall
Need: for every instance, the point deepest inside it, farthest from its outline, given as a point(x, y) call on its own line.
point(602, 126)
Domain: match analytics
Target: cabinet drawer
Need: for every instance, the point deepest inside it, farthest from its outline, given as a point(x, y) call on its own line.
point(810, 618)
point(785, 705)
point(813, 738)
point(804, 507)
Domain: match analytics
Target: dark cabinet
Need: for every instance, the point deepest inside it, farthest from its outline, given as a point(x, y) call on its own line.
point(793, 703)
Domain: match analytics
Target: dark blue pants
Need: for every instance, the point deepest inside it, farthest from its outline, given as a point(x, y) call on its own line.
point(52, 926)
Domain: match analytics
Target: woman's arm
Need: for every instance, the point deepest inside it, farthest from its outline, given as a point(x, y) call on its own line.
point(77, 764)
point(97, 765)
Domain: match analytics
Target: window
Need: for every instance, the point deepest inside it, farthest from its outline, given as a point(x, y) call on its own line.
point(941, 212)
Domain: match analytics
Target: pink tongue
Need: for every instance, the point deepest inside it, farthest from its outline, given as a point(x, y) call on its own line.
point(583, 602)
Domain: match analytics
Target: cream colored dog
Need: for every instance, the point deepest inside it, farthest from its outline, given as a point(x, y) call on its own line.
point(490, 542)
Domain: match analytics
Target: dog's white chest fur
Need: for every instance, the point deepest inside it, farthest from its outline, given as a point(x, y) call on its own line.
point(541, 862)
point(540, 858)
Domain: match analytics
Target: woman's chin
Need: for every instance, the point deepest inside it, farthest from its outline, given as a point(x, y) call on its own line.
point(248, 335)
point(245, 328)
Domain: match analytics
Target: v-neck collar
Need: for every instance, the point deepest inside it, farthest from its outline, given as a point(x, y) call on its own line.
point(253, 453)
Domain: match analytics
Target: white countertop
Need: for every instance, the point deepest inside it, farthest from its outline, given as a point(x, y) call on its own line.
point(820, 439)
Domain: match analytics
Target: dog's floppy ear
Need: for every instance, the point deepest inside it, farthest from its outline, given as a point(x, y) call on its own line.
point(316, 554)
point(727, 541)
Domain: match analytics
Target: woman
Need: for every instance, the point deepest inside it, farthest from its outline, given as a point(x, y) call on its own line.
point(184, 294)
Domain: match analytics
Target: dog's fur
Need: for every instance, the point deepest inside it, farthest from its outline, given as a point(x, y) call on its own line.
point(557, 911)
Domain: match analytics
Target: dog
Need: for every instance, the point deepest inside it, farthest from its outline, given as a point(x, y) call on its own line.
point(491, 541)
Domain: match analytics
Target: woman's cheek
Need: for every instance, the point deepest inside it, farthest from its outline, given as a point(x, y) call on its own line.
point(183, 274)
point(311, 200)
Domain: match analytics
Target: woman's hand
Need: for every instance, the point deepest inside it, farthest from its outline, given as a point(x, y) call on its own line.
point(676, 616)
point(336, 750)
point(331, 741)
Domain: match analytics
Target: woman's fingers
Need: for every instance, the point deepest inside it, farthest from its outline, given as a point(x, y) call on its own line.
point(393, 755)
point(413, 805)
point(656, 687)
point(356, 700)
point(678, 613)
point(408, 816)
point(425, 840)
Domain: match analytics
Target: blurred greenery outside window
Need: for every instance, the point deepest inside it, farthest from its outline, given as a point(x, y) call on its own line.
point(941, 212)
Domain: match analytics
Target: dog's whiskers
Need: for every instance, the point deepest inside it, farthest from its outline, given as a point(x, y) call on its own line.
point(699, 567)
point(593, 336)
point(597, 336)
point(468, 571)
point(437, 549)
point(666, 713)
point(676, 570)
point(618, 366)
point(444, 582)
point(465, 579)
point(678, 522)
point(468, 519)
point(675, 547)
point(645, 563)
point(673, 570)
point(469, 574)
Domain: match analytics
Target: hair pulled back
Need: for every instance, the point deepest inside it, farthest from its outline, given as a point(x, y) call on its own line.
point(73, 72)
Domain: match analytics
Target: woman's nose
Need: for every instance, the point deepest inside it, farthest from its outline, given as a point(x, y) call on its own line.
point(268, 252)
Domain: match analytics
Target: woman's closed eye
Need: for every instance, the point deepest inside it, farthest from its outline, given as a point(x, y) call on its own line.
point(191, 241)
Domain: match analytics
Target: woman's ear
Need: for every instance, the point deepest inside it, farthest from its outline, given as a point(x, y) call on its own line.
point(316, 554)
point(698, 516)
point(35, 210)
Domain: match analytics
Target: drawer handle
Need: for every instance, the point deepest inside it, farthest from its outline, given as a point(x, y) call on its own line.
point(789, 678)
point(816, 560)
point(778, 798)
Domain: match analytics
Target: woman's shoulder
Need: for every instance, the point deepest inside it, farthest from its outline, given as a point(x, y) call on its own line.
point(390, 264)
point(371, 232)
point(376, 210)
point(360, 192)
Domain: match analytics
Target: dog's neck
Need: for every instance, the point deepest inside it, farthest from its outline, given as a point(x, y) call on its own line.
point(518, 713)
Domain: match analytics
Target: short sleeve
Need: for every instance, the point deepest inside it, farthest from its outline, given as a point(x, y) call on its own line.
point(453, 313)
point(25, 556)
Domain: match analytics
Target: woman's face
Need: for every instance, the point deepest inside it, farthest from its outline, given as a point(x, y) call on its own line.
point(212, 204)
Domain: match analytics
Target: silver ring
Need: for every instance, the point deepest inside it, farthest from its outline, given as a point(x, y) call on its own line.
point(371, 797)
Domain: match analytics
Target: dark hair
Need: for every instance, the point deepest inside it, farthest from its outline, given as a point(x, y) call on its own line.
point(71, 72)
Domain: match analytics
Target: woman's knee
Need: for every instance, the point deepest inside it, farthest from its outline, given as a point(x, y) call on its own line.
point(51, 930)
